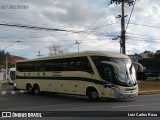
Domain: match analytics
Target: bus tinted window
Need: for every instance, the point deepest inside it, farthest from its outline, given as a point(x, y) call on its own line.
point(65, 64)
point(106, 71)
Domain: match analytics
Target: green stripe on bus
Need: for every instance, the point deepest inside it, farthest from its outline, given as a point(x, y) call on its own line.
point(63, 78)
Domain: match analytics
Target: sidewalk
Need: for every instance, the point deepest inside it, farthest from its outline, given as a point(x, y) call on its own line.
point(2, 82)
point(147, 87)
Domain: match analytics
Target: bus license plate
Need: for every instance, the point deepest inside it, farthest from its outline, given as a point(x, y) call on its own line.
point(132, 95)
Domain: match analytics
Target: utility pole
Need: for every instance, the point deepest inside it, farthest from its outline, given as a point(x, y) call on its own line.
point(76, 42)
point(39, 54)
point(122, 16)
point(7, 57)
point(122, 39)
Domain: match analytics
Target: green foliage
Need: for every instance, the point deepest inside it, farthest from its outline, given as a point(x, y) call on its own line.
point(153, 63)
point(157, 56)
point(3, 57)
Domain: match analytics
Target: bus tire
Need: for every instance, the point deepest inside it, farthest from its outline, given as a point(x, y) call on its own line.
point(29, 89)
point(93, 95)
point(36, 89)
point(10, 83)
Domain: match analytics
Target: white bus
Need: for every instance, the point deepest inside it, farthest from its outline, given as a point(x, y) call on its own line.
point(11, 75)
point(91, 73)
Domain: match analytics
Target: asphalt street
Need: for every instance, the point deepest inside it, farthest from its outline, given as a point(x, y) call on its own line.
point(11, 100)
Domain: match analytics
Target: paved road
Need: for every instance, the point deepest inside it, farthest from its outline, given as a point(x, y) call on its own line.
point(19, 101)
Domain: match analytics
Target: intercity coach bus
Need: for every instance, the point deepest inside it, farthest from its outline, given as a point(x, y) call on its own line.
point(96, 74)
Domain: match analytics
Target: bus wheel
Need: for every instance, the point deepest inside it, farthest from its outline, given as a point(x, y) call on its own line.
point(10, 83)
point(29, 89)
point(36, 89)
point(93, 95)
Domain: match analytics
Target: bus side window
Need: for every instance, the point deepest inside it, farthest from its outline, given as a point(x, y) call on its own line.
point(108, 74)
point(86, 65)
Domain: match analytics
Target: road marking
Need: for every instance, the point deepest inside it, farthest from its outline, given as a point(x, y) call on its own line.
point(13, 92)
point(3, 92)
point(21, 91)
point(128, 106)
point(3, 117)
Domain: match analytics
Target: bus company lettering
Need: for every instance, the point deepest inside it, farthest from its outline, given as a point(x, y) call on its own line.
point(56, 74)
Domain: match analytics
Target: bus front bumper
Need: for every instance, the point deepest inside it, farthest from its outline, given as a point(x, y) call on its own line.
point(125, 94)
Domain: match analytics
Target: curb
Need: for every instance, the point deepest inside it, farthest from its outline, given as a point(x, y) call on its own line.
point(149, 92)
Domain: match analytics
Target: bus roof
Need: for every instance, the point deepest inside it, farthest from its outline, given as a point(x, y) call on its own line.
point(78, 54)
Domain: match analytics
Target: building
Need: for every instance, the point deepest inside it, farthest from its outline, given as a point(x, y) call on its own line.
point(157, 52)
point(135, 58)
point(146, 54)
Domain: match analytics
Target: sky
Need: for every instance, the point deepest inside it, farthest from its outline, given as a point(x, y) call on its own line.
point(93, 23)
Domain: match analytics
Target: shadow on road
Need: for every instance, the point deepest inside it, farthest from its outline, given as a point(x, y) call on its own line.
point(67, 97)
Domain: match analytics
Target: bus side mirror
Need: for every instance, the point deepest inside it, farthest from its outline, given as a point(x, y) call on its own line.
point(140, 66)
point(115, 66)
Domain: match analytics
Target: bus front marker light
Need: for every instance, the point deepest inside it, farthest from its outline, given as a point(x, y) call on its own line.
point(120, 90)
point(14, 84)
point(121, 96)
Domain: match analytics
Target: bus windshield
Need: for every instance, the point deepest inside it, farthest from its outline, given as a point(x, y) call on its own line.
point(12, 74)
point(127, 74)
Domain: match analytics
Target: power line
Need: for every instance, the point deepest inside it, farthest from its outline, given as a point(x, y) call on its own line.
point(145, 25)
point(104, 38)
point(99, 34)
point(143, 35)
point(149, 41)
point(130, 14)
point(107, 18)
point(97, 18)
point(92, 24)
point(35, 36)
point(104, 26)
point(136, 34)
point(38, 28)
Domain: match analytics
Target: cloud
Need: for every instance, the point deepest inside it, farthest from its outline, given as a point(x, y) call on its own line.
point(78, 15)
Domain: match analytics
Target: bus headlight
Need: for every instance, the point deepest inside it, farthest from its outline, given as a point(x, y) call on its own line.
point(14, 85)
point(120, 90)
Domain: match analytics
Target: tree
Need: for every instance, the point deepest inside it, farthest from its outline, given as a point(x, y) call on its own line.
point(56, 48)
point(147, 62)
point(151, 63)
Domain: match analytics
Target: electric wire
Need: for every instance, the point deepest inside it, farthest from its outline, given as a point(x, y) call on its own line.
point(130, 16)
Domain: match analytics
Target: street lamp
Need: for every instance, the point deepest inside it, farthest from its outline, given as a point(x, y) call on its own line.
point(7, 56)
point(116, 38)
point(76, 42)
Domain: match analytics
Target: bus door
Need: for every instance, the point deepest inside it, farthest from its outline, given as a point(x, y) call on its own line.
point(106, 72)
